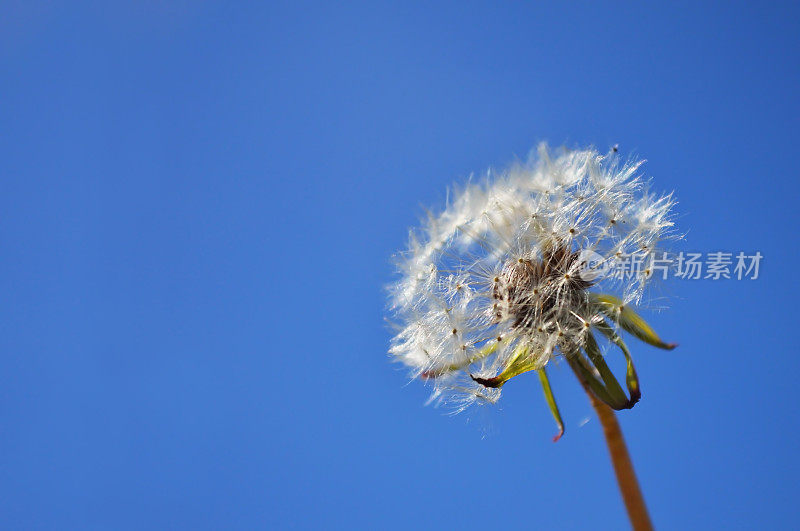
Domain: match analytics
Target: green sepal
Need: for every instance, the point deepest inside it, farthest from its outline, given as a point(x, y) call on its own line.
point(586, 372)
point(620, 400)
point(551, 402)
point(629, 320)
point(606, 388)
point(631, 378)
point(518, 364)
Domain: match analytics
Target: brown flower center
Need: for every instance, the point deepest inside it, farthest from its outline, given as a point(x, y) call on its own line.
point(529, 292)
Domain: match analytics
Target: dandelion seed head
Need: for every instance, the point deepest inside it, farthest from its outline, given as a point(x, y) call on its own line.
point(497, 279)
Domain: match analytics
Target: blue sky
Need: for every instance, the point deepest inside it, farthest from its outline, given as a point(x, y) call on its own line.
point(199, 202)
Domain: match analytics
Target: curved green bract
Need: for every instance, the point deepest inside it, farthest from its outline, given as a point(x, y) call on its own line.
point(588, 374)
point(629, 320)
point(518, 364)
point(551, 402)
point(594, 371)
point(631, 378)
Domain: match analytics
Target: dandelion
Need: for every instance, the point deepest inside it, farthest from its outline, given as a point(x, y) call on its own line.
point(523, 268)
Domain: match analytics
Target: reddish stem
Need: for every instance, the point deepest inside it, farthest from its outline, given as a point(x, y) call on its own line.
point(623, 466)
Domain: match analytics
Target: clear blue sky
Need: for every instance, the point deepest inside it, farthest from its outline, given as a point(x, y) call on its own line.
point(199, 202)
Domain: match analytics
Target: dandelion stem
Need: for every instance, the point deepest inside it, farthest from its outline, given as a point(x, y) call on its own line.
point(623, 466)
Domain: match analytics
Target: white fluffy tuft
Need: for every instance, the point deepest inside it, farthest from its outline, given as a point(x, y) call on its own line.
point(451, 324)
